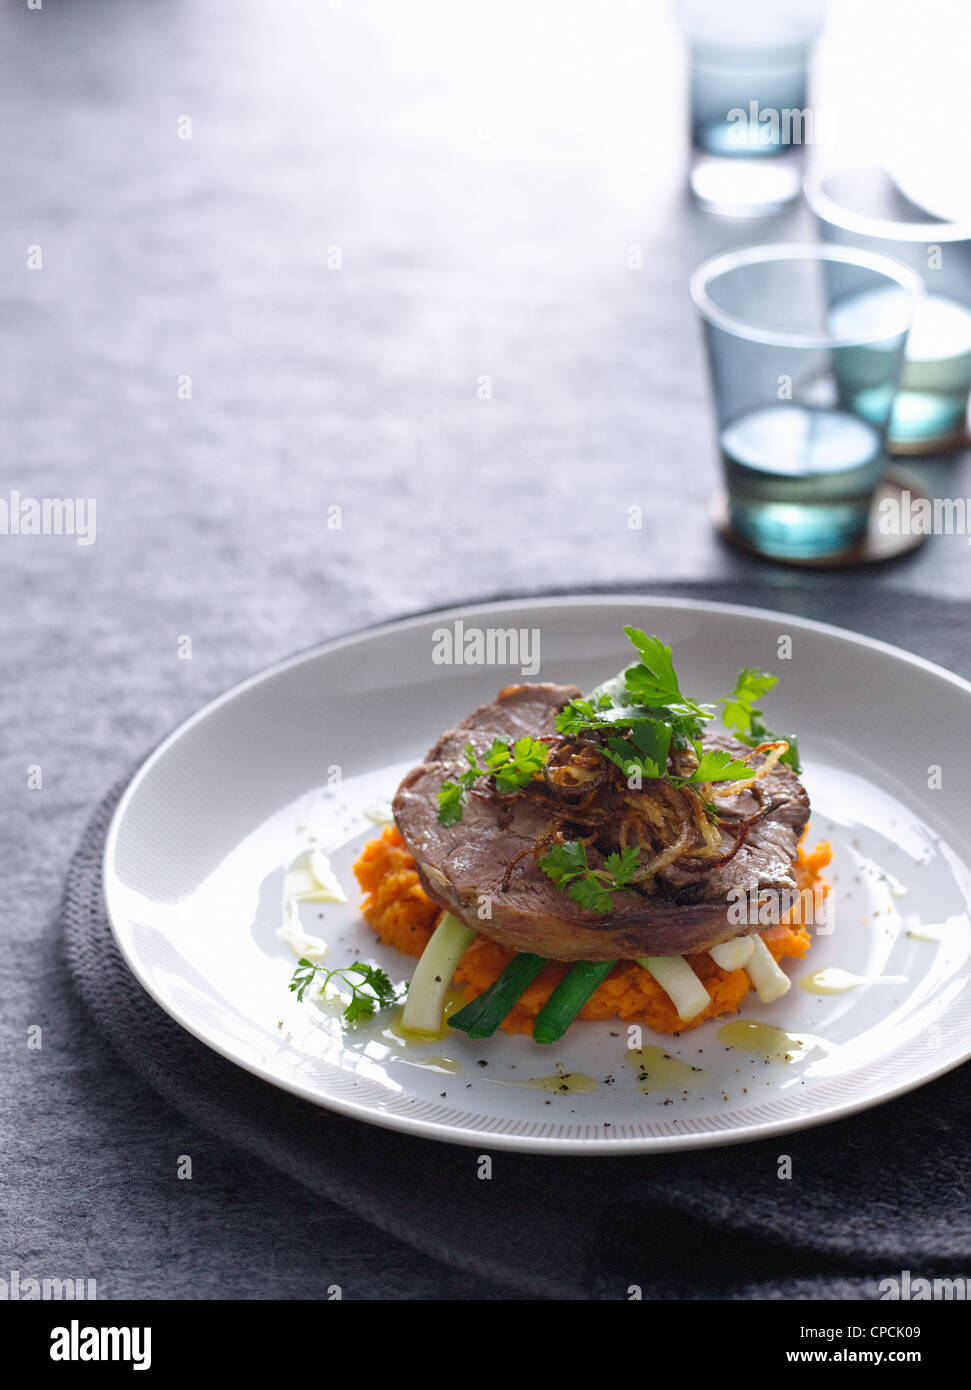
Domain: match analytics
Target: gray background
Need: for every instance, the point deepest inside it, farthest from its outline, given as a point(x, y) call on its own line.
point(484, 172)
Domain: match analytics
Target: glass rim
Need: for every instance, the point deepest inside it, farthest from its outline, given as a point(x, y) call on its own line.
point(726, 261)
point(827, 209)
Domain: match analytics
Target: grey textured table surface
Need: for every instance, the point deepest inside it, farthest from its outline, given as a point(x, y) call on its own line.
point(397, 259)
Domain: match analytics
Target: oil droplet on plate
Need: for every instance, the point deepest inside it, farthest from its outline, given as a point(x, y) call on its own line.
point(775, 1044)
point(454, 1001)
point(833, 980)
point(404, 1045)
point(658, 1073)
point(563, 1083)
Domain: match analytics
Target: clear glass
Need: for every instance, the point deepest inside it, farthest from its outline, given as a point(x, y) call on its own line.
point(864, 208)
point(749, 115)
point(802, 399)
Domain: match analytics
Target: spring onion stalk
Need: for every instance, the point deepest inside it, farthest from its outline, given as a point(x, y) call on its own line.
point(764, 972)
point(482, 1017)
point(732, 955)
point(569, 997)
point(679, 982)
point(425, 1004)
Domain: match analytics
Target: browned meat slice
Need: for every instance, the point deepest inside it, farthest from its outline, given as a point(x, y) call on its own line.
point(463, 866)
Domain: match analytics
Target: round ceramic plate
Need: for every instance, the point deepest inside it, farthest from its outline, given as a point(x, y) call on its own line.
point(303, 757)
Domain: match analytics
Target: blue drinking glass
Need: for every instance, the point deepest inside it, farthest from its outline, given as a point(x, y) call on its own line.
point(802, 398)
point(864, 208)
point(750, 117)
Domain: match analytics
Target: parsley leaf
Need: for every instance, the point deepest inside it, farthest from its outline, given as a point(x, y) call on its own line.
point(646, 748)
point(791, 756)
point(474, 769)
point(451, 798)
point(513, 766)
point(741, 714)
point(760, 734)
point(565, 861)
point(652, 738)
point(740, 708)
point(623, 865)
point(590, 893)
point(622, 752)
point(577, 715)
point(372, 988)
point(645, 703)
point(498, 755)
point(452, 795)
point(718, 765)
point(527, 757)
point(567, 865)
point(653, 682)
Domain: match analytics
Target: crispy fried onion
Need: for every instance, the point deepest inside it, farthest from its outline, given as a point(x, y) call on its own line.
point(775, 751)
point(589, 799)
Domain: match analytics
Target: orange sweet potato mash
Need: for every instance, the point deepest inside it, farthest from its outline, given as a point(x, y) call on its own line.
point(403, 915)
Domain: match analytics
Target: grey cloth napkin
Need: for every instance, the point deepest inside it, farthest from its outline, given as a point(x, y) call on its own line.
point(871, 1195)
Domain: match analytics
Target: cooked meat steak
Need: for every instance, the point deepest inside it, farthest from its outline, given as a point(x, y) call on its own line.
point(463, 866)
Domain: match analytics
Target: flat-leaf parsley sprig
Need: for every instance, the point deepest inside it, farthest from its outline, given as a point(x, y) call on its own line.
point(372, 990)
point(642, 715)
point(513, 765)
point(569, 868)
point(741, 715)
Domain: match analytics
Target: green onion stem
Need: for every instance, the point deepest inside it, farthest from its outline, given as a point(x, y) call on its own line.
point(482, 1017)
point(433, 974)
point(568, 999)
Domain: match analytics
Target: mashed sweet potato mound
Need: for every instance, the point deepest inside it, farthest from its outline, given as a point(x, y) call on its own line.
point(403, 915)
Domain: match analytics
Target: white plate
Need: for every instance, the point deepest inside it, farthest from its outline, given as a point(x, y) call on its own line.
point(295, 756)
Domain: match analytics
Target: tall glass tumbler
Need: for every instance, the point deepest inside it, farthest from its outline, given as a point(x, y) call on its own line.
point(750, 117)
point(864, 208)
point(802, 407)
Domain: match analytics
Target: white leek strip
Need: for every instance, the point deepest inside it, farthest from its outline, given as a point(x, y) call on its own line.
point(770, 981)
point(679, 982)
point(425, 1004)
point(732, 955)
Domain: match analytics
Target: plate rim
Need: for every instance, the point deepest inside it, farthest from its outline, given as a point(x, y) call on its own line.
point(598, 1146)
